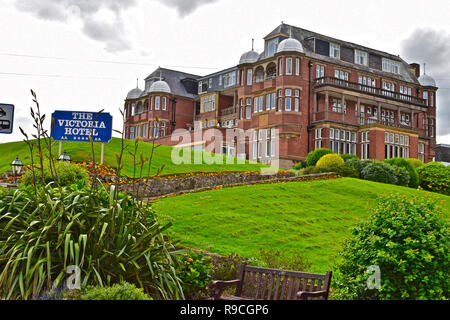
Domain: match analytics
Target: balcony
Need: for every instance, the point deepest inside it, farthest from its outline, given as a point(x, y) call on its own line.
point(386, 122)
point(373, 91)
point(229, 111)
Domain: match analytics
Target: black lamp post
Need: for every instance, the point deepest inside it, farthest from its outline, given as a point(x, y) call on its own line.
point(16, 167)
point(64, 157)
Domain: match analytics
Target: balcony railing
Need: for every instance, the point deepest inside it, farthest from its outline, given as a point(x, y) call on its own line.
point(335, 82)
point(228, 111)
point(386, 122)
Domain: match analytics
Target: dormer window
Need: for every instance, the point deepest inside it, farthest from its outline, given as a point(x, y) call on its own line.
point(335, 51)
point(272, 46)
point(202, 87)
point(391, 66)
point(361, 58)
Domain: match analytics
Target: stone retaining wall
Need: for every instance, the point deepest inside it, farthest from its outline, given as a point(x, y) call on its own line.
point(162, 187)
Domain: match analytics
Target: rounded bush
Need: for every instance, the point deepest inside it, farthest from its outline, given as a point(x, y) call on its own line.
point(314, 156)
point(403, 177)
point(355, 164)
point(379, 172)
point(67, 174)
point(124, 291)
point(330, 161)
point(347, 157)
point(400, 252)
point(416, 163)
point(413, 175)
point(434, 176)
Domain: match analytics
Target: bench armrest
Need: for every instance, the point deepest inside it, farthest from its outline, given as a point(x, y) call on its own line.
point(217, 287)
point(305, 295)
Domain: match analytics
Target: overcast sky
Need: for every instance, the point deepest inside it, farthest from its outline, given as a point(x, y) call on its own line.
point(86, 55)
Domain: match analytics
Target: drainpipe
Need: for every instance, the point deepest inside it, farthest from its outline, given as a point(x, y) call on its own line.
point(310, 64)
point(174, 108)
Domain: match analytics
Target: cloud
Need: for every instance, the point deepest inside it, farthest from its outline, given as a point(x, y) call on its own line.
point(430, 46)
point(109, 31)
point(186, 7)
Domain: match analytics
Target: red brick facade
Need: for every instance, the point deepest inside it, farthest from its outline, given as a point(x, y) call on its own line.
point(320, 103)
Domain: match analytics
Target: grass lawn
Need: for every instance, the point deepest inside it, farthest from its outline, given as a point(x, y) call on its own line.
point(307, 218)
point(81, 151)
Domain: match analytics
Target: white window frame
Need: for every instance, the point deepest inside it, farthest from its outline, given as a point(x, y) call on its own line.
point(361, 55)
point(335, 51)
point(288, 66)
point(249, 77)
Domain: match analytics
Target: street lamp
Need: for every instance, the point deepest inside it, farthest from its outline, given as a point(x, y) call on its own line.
point(64, 157)
point(16, 167)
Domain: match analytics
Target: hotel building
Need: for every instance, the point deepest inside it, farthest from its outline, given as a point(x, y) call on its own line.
point(317, 91)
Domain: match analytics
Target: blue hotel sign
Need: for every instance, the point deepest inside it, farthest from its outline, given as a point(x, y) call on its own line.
point(78, 126)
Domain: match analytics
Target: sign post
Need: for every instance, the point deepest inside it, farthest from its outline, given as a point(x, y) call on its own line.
point(6, 118)
point(101, 157)
point(81, 126)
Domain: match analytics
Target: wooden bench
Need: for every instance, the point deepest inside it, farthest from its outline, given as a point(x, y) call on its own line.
point(271, 284)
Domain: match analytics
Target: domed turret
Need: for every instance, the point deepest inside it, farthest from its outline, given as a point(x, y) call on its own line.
point(249, 57)
point(160, 86)
point(427, 81)
point(134, 94)
point(290, 45)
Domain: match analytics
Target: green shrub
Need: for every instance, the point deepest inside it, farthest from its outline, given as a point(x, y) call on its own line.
point(329, 161)
point(227, 268)
point(342, 170)
point(111, 238)
point(307, 170)
point(403, 177)
point(298, 166)
point(401, 162)
point(124, 291)
point(315, 156)
point(347, 157)
point(195, 273)
point(274, 259)
point(416, 163)
point(67, 174)
point(408, 239)
point(356, 164)
point(379, 172)
point(434, 176)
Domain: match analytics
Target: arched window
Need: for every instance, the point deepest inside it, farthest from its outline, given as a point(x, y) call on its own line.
point(271, 70)
point(146, 106)
point(139, 108)
point(259, 74)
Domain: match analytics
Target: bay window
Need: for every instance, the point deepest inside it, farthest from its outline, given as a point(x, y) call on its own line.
point(249, 77)
point(288, 66)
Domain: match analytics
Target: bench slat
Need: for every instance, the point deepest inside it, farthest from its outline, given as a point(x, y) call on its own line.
point(269, 292)
point(277, 287)
point(297, 288)
point(291, 284)
point(264, 286)
point(258, 284)
point(283, 289)
point(288, 273)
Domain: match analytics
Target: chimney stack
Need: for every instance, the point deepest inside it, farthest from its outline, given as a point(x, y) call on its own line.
point(416, 69)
